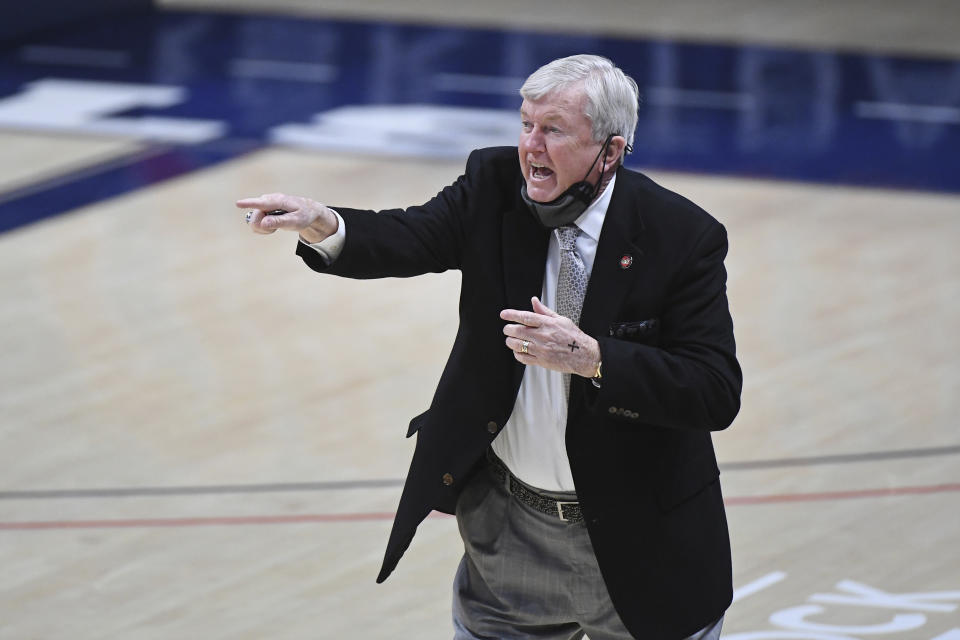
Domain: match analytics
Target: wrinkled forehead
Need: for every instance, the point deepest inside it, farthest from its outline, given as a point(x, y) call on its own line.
point(565, 103)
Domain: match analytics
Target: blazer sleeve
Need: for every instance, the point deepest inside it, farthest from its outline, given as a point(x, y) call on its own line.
point(404, 242)
point(689, 378)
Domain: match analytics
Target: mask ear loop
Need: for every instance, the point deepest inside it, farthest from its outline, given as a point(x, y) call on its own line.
point(583, 190)
point(603, 166)
point(602, 150)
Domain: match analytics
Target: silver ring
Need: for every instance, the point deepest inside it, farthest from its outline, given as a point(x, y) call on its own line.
point(525, 346)
point(248, 216)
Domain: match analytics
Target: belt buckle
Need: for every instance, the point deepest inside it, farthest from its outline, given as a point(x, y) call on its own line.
point(560, 509)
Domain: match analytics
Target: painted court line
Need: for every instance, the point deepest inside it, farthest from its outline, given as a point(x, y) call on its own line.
point(150, 523)
point(73, 175)
point(758, 585)
point(843, 495)
point(359, 517)
point(346, 485)
point(130, 492)
point(867, 456)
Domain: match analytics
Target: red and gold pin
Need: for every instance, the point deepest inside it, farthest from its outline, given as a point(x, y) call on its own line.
point(626, 261)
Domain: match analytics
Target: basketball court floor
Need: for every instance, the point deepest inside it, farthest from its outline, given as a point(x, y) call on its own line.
point(200, 438)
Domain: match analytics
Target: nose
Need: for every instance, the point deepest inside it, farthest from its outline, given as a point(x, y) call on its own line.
point(532, 141)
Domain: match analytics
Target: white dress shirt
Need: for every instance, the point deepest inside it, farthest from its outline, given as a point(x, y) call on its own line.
point(533, 443)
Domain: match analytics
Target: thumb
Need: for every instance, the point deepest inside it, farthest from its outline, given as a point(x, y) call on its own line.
point(291, 220)
point(539, 307)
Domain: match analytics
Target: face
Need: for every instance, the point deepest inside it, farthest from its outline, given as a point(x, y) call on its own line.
point(556, 144)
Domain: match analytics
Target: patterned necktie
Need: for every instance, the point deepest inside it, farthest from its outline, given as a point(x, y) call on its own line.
point(571, 282)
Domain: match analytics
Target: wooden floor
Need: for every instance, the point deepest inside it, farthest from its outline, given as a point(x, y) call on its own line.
point(202, 439)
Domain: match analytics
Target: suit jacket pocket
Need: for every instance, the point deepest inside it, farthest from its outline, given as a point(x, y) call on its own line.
point(644, 331)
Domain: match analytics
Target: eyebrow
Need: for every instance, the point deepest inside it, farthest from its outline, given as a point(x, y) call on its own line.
point(548, 117)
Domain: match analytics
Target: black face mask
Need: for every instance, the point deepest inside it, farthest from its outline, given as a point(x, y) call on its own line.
point(570, 204)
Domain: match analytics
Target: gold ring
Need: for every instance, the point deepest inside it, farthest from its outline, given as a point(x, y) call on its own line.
point(525, 346)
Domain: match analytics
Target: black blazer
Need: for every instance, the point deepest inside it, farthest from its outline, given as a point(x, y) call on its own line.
point(639, 447)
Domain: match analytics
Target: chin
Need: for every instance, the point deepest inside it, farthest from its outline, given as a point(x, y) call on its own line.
point(539, 194)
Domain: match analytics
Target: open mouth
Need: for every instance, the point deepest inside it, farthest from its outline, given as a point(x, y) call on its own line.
point(539, 172)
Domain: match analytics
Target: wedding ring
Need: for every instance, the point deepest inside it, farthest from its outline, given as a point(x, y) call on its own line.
point(525, 346)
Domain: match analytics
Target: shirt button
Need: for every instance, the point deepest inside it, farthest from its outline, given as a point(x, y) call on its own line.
point(492, 427)
point(447, 479)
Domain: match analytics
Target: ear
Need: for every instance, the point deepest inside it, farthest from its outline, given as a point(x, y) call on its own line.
point(615, 150)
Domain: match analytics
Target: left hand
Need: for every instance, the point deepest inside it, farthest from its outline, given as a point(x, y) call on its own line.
point(554, 341)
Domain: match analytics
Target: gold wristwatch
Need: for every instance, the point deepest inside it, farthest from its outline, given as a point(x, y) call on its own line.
point(597, 375)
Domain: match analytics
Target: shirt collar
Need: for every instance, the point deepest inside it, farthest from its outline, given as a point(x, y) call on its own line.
point(591, 220)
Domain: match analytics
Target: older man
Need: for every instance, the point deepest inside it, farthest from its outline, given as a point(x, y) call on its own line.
point(570, 430)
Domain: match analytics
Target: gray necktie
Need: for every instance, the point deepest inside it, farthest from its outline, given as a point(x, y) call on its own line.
point(571, 282)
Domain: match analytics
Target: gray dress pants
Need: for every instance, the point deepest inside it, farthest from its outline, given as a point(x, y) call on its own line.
point(529, 575)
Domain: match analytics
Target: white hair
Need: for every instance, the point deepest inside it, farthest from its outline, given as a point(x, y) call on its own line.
point(612, 97)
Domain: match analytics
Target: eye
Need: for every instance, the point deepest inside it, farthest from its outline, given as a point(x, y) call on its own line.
point(526, 125)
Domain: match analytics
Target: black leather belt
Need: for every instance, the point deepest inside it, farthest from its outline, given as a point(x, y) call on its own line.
point(566, 511)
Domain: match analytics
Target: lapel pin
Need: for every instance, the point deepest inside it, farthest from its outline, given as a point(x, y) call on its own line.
point(626, 261)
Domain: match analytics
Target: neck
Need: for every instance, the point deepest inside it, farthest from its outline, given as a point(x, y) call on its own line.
point(604, 181)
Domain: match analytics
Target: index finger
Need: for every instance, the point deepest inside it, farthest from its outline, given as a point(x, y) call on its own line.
point(527, 318)
point(268, 202)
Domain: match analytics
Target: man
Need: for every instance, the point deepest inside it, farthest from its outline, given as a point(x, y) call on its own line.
point(574, 447)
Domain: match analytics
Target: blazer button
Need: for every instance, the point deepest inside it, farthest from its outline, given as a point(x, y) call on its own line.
point(492, 427)
point(447, 479)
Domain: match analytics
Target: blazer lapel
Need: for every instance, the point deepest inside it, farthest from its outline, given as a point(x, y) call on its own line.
point(618, 260)
point(524, 258)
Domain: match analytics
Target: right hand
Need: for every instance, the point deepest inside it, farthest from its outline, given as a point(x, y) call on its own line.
point(314, 221)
